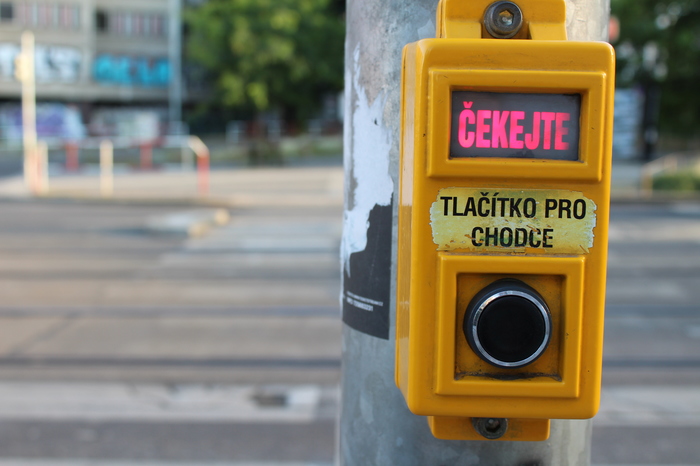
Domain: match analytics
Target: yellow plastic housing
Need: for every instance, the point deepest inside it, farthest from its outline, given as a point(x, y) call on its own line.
point(436, 370)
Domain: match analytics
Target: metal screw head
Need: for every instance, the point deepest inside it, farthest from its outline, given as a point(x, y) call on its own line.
point(503, 20)
point(490, 427)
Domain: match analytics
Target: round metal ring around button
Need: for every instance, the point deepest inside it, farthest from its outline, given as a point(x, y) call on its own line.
point(508, 324)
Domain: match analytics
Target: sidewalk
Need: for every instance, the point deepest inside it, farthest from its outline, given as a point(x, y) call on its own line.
point(312, 186)
point(288, 186)
point(626, 181)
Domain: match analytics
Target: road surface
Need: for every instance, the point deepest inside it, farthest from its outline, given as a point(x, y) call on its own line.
point(125, 345)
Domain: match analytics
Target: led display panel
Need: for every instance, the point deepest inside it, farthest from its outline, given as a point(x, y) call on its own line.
point(515, 125)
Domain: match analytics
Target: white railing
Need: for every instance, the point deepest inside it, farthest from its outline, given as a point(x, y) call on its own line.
point(667, 163)
point(38, 167)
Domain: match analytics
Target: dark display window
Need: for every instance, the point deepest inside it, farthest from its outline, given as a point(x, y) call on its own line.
point(514, 125)
point(7, 11)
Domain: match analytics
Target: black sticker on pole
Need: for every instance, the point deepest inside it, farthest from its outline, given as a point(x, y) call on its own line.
point(366, 290)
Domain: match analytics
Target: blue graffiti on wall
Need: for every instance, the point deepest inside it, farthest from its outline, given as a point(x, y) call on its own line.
point(131, 71)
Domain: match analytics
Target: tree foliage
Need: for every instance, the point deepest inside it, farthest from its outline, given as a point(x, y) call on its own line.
point(660, 43)
point(268, 54)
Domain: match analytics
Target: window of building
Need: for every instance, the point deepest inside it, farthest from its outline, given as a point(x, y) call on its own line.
point(157, 25)
point(117, 21)
point(33, 14)
point(146, 19)
point(127, 26)
point(55, 15)
point(131, 24)
point(45, 14)
point(7, 11)
point(137, 24)
point(75, 16)
point(101, 21)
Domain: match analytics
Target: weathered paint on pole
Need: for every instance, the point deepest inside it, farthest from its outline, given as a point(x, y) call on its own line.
point(376, 427)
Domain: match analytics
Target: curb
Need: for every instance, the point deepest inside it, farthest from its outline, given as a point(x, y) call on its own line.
point(659, 198)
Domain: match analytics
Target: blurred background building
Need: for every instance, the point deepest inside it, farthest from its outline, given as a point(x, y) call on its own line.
point(102, 67)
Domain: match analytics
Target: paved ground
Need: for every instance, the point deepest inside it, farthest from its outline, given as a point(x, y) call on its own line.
point(650, 410)
point(124, 338)
point(235, 187)
point(316, 186)
point(127, 338)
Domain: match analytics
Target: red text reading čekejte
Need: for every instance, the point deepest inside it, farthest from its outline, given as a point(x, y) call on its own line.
point(505, 129)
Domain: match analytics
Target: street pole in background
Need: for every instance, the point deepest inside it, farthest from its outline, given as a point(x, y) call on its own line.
point(376, 427)
point(175, 58)
point(24, 73)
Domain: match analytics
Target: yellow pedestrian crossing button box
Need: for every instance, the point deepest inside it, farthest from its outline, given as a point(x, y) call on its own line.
point(503, 221)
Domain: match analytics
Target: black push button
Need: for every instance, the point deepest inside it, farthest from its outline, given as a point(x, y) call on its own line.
point(508, 324)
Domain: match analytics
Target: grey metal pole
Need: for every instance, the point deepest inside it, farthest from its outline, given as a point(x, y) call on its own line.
point(27, 80)
point(175, 57)
point(375, 427)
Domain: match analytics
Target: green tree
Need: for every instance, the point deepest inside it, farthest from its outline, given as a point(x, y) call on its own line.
point(268, 54)
point(659, 45)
